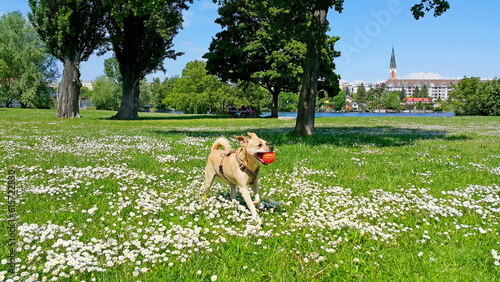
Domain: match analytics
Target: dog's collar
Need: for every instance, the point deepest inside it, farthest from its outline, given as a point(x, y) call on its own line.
point(253, 174)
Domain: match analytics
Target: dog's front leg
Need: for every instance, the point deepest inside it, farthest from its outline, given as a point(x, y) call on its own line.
point(248, 200)
point(233, 191)
point(255, 189)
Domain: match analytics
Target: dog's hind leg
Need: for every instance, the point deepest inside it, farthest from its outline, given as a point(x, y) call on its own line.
point(209, 179)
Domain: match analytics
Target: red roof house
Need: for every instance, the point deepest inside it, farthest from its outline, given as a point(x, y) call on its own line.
point(417, 100)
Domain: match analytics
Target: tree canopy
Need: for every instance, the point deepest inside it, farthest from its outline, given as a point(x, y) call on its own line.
point(141, 35)
point(474, 97)
point(25, 66)
point(72, 31)
point(254, 47)
point(198, 92)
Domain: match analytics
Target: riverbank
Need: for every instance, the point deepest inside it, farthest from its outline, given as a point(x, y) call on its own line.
point(356, 114)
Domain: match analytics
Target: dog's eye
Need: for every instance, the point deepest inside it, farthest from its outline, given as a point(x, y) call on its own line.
point(260, 145)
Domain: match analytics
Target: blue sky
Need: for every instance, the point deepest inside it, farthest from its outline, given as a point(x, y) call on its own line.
point(465, 41)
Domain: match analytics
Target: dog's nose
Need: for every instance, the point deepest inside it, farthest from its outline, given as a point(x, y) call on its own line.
point(271, 148)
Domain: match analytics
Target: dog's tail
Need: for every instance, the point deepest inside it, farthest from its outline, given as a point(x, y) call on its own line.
point(221, 142)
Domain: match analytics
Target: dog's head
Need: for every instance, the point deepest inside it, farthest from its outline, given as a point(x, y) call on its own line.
point(255, 146)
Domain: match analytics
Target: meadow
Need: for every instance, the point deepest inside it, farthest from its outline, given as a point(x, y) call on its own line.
point(364, 199)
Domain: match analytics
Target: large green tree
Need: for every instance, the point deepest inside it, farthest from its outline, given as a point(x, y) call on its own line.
point(25, 66)
point(160, 90)
point(106, 93)
point(72, 31)
point(391, 101)
point(141, 34)
point(254, 47)
point(360, 95)
point(474, 97)
point(112, 70)
point(198, 92)
point(246, 50)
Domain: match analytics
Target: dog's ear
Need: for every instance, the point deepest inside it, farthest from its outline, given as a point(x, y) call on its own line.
point(242, 139)
point(252, 135)
point(241, 152)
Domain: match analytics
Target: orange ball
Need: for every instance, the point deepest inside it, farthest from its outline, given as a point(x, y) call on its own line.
point(269, 157)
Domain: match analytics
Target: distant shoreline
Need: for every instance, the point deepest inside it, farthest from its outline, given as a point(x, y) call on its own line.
point(356, 114)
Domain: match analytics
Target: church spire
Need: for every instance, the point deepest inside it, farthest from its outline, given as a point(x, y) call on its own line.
point(392, 66)
point(393, 59)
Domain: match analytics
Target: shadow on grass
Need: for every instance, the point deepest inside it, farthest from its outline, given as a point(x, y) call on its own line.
point(172, 117)
point(379, 136)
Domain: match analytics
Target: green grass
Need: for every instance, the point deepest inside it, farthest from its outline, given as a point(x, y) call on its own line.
point(364, 199)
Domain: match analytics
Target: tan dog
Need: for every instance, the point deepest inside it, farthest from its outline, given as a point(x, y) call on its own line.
point(239, 167)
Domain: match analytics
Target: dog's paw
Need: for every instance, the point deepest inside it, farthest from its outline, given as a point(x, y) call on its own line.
point(256, 220)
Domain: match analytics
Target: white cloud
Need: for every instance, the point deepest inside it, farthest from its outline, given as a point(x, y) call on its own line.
point(187, 19)
point(423, 75)
point(192, 47)
point(208, 5)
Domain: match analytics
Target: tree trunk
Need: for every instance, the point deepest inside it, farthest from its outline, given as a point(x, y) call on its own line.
point(129, 106)
point(69, 92)
point(128, 56)
point(274, 110)
point(307, 101)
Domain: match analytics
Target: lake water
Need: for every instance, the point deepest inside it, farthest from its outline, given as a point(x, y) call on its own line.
point(294, 114)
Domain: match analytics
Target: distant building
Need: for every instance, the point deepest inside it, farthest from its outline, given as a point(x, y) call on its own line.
point(84, 102)
point(54, 85)
point(417, 100)
point(85, 83)
point(88, 84)
point(437, 88)
point(351, 88)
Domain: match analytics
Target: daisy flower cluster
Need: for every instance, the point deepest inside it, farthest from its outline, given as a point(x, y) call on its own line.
point(496, 257)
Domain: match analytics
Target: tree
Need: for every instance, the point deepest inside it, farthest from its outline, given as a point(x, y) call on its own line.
point(196, 91)
point(391, 101)
point(318, 10)
point(474, 97)
point(160, 90)
point(246, 50)
point(360, 95)
point(141, 34)
point(112, 70)
point(402, 94)
point(339, 101)
point(424, 92)
point(106, 94)
point(72, 31)
point(416, 92)
point(287, 102)
point(25, 66)
point(316, 37)
point(253, 48)
point(144, 95)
